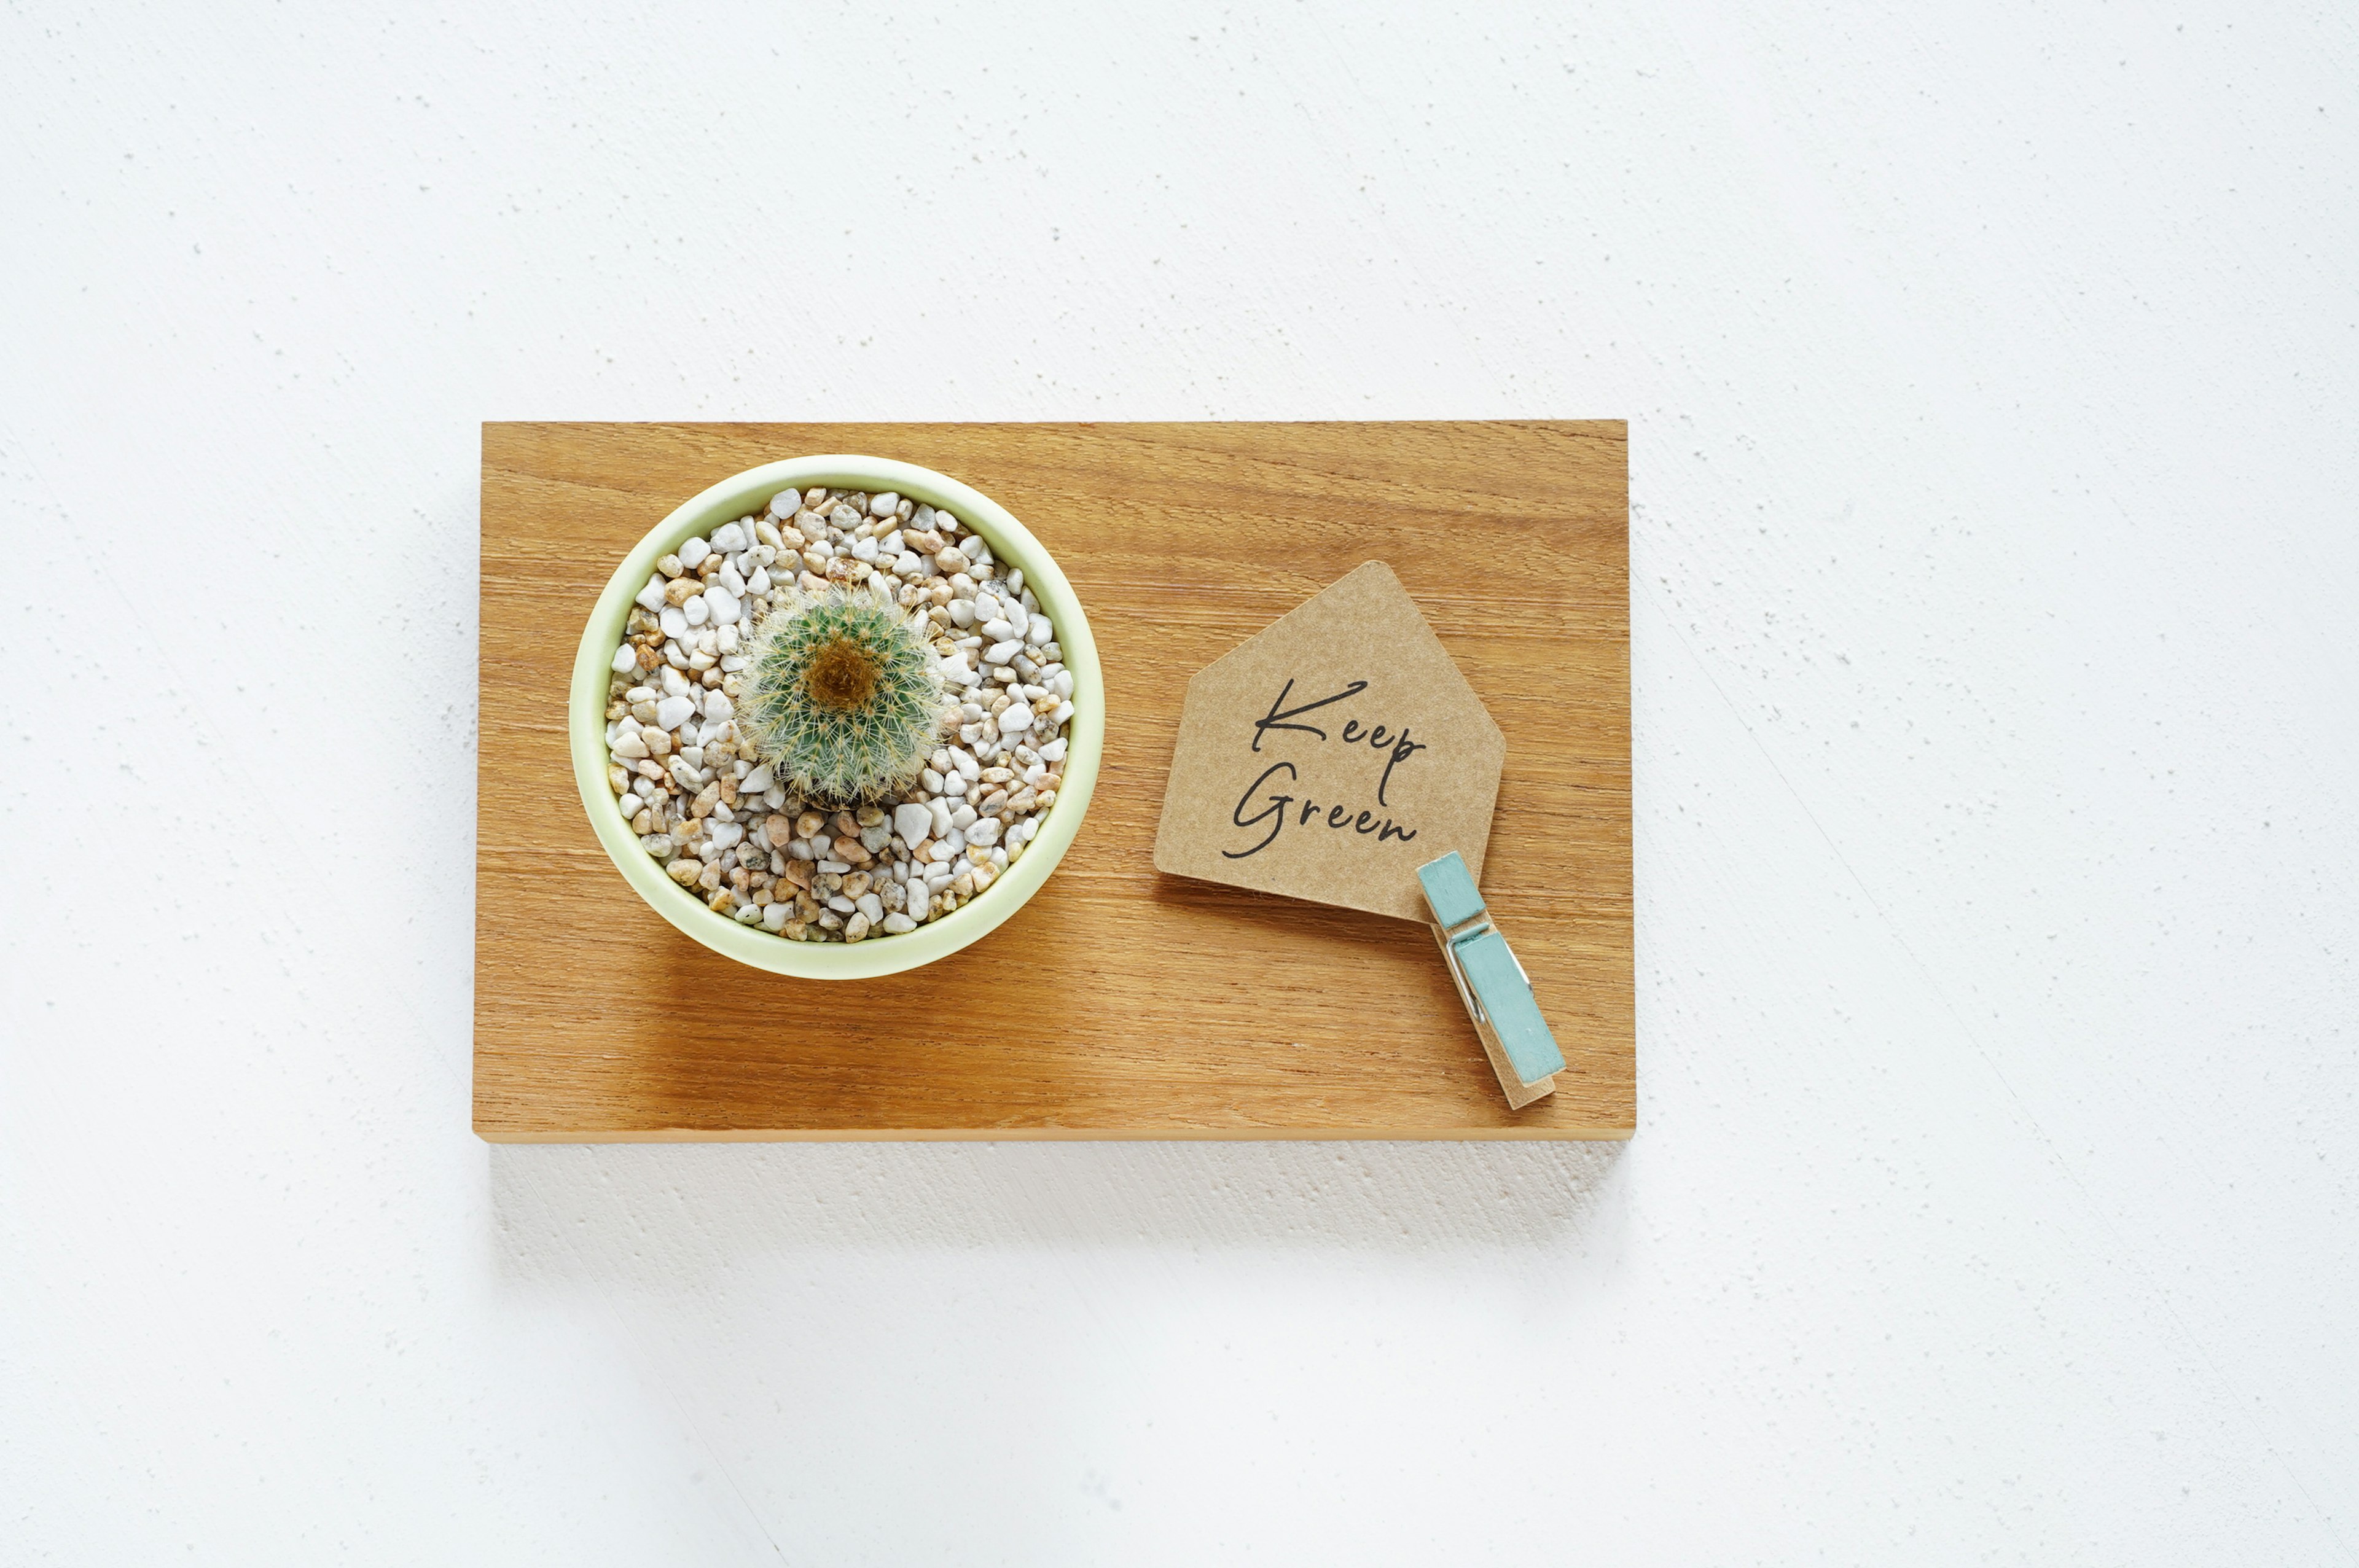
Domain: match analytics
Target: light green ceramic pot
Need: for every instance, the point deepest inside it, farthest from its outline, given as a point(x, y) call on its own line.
point(750, 493)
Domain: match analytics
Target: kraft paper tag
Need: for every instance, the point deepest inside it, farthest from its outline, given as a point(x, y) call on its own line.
point(1332, 754)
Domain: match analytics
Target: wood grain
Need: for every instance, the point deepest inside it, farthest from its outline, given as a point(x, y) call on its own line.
point(1119, 1002)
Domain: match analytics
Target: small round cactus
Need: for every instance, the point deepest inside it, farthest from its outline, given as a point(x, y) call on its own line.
point(843, 695)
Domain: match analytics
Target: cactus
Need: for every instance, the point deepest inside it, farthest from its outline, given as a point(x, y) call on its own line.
point(843, 695)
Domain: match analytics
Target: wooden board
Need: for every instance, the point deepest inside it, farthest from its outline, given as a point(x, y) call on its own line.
point(1119, 1002)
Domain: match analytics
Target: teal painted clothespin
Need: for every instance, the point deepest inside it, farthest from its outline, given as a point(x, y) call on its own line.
point(1491, 984)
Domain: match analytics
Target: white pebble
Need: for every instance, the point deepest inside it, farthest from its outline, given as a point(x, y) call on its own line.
point(913, 823)
point(942, 813)
point(998, 630)
point(694, 551)
point(630, 748)
point(872, 906)
point(756, 782)
point(1054, 752)
point(985, 832)
point(883, 504)
point(731, 578)
point(1039, 631)
point(729, 538)
point(652, 596)
point(717, 706)
point(673, 711)
point(997, 653)
point(773, 917)
point(1015, 718)
point(696, 610)
point(961, 613)
point(786, 503)
point(720, 606)
point(963, 815)
point(675, 624)
point(895, 923)
point(625, 659)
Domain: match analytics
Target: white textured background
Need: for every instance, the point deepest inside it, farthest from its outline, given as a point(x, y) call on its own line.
point(1991, 375)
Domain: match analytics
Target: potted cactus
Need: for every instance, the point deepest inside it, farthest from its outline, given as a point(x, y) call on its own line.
point(832, 700)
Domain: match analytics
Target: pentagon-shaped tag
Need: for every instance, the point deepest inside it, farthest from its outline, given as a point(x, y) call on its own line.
point(1331, 755)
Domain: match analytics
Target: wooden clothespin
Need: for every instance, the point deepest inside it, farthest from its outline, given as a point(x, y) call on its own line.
point(1497, 994)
